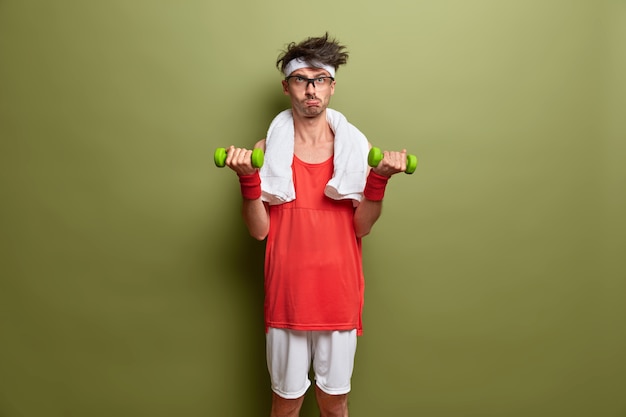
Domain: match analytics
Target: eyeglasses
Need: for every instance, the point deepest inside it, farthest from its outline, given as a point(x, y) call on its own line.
point(302, 82)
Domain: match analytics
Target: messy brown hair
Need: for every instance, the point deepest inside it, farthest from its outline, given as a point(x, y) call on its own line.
point(320, 49)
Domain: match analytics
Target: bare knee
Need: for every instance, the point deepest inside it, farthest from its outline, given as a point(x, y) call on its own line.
point(332, 405)
point(283, 407)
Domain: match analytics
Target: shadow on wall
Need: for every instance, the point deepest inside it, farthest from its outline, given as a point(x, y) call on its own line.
point(241, 260)
point(236, 261)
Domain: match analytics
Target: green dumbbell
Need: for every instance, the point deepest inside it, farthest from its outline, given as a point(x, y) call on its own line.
point(220, 157)
point(376, 155)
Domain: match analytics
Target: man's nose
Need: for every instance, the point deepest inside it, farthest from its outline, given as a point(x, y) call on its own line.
point(310, 86)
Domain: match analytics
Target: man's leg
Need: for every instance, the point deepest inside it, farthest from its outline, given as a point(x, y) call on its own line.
point(288, 361)
point(282, 407)
point(333, 362)
point(331, 405)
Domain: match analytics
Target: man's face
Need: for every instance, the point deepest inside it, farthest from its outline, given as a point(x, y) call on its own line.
point(309, 99)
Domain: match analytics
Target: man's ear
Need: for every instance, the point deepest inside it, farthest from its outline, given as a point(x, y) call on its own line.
point(285, 87)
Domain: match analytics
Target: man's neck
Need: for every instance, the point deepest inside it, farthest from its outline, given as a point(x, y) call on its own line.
point(312, 130)
point(314, 139)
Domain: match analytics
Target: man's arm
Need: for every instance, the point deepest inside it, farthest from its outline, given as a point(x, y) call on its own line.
point(254, 211)
point(256, 217)
point(370, 209)
point(365, 215)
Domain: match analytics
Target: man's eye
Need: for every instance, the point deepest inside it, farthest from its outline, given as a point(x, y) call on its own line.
point(321, 80)
point(299, 79)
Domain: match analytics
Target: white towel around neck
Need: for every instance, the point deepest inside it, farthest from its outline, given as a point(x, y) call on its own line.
point(349, 159)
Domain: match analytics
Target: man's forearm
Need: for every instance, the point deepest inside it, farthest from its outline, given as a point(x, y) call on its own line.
point(365, 215)
point(256, 218)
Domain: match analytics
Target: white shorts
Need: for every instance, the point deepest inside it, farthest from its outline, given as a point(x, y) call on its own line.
point(289, 356)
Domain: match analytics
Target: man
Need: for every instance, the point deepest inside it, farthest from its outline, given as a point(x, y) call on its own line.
point(314, 199)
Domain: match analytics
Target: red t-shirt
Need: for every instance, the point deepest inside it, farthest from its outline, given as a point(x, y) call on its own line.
point(313, 270)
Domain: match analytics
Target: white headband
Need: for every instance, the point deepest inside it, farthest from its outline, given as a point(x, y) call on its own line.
point(298, 63)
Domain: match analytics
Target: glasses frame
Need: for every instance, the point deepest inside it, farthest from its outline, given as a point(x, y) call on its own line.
point(309, 80)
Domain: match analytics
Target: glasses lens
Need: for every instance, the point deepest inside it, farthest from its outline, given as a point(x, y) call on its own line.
point(320, 82)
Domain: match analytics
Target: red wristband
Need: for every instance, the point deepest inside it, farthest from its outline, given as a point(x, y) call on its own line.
point(250, 186)
point(375, 186)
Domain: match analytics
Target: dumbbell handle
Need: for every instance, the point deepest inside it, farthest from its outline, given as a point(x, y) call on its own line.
point(375, 156)
point(257, 157)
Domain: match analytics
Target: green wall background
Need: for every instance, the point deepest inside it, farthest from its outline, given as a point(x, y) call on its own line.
point(495, 279)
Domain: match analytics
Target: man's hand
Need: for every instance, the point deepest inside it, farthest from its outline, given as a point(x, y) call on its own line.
point(392, 163)
point(240, 160)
